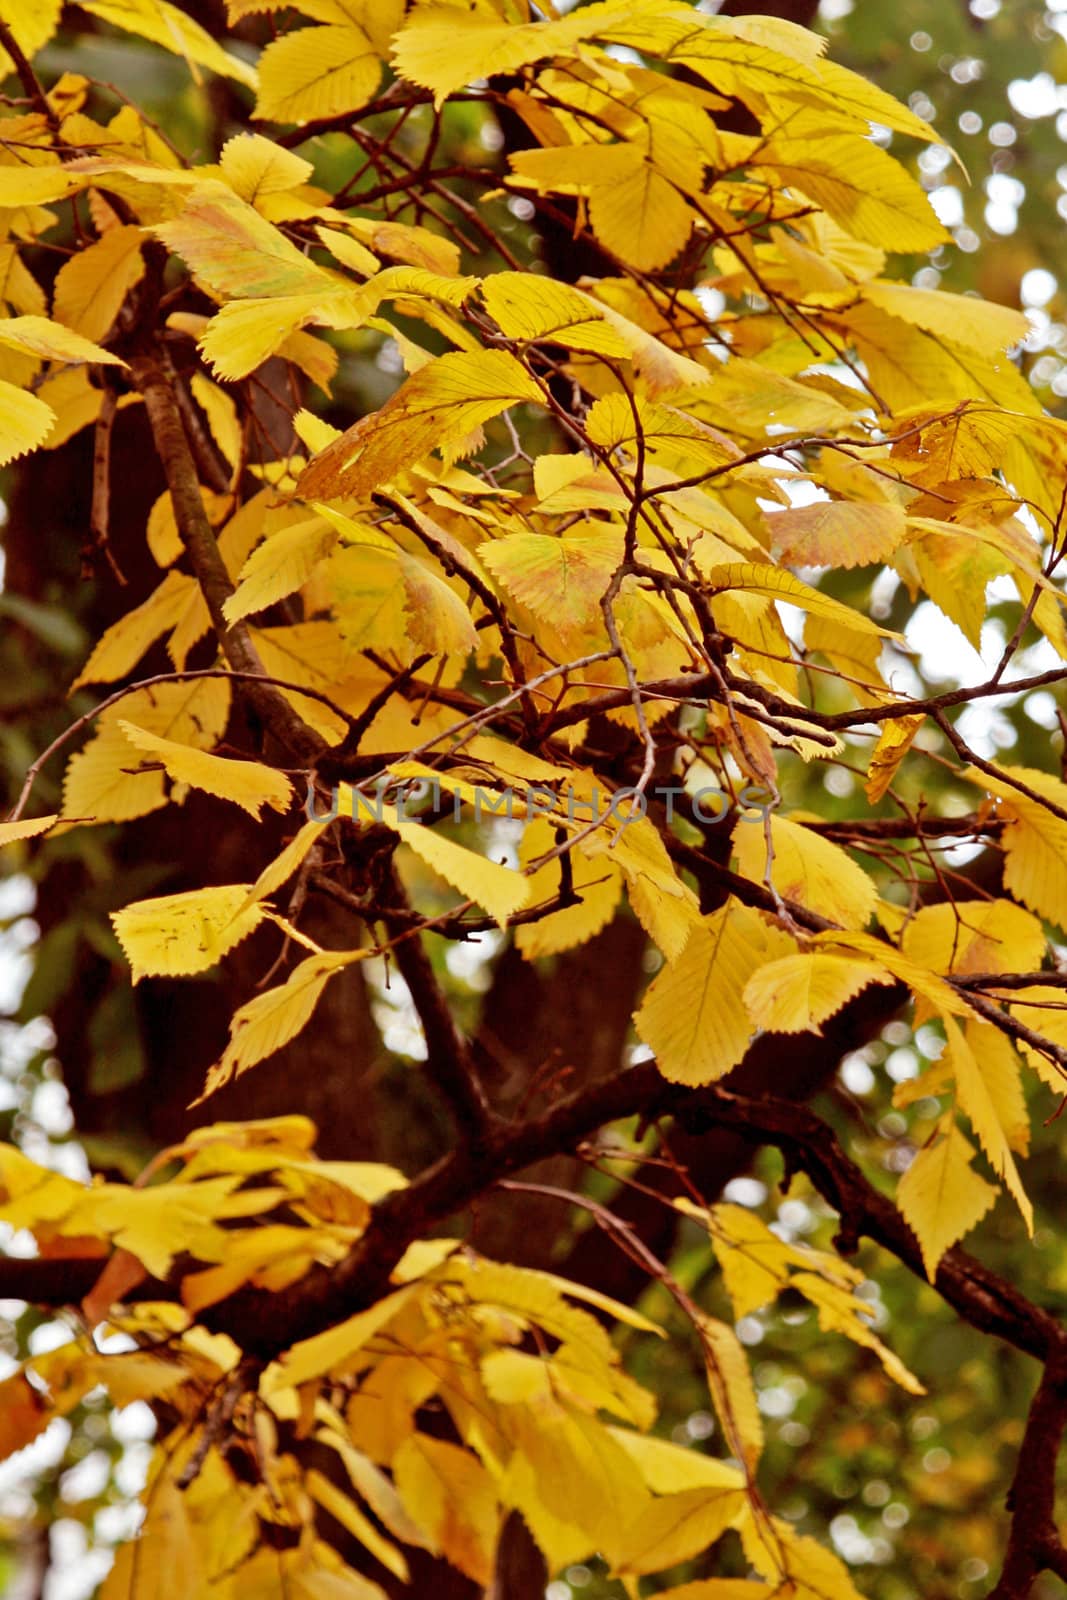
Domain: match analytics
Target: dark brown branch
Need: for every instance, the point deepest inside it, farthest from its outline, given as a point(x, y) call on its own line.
point(267, 1323)
point(198, 538)
point(1034, 1544)
point(708, 871)
point(1009, 980)
point(29, 80)
point(699, 685)
point(877, 829)
point(450, 1063)
point(1016, 1030)
point(100, 505)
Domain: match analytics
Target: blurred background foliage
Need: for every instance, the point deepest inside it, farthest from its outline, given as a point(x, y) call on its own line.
point(911, 1491)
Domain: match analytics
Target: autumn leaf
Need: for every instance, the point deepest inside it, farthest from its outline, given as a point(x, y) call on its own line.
point(179, 934)
point(434, 409)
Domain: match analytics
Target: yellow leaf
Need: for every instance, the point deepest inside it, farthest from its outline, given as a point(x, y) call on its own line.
point(988, 328)
point(161, 531)
point(222, 418)
point(317, 72)
point(405, 241)
point(165, 1556)
point(755, 1262)
point(37, 186)
point(561, 578)
point(807, 868)
point(167, 25)
point(325, 1352)
point(237, 252)
point(241, 336)
point(25, 422)
point(165, 1220)
point(435, 408)
point(697, 1038)
point(248, 784)
point(908, 366)
point(178, 934)
point(777, 584)
point(597, 883)
point(444, 47)
point(348, 251)
point(856, 96)
point(860, 186)
point(748, 395)
point(584, 1478)
point(311, 653)
point(941, 1196)
point(799, 992)
point(373, 1485)
point(33, 22)
point(975, 936)
point(120, 648)
point(279, 566)
point(732, 1391)
point(1000, 1067)
point(927, 985)
point(894, 742)
point(978, 1106)
point(669, 1468)
point(640, 216)
point(369, 597)
point(661, 369)
point(284, 865)
point(102, 783)
point(799, 1568)
point(28, 828)
point(675, 1528)
point(680, 442)
point(449, 1495)
point(838, 533)
point(92, 285)
point(1034, 841)
point(344, 1510)
point(527, 306)
point(255, 167)
point(666, 907)
point(31, 1195)
point(440, 621)
point(841, 1312)
point(270, 1020)
point(501, 890)
point(40, 337)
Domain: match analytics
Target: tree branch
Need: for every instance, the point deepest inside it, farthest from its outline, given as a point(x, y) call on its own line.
point(267, 1323)
point(198, 537)
point(1034, 1544)
point(450, 1062)
point(27, 77)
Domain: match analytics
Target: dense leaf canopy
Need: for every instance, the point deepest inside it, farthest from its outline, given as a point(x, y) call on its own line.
point(536, 643)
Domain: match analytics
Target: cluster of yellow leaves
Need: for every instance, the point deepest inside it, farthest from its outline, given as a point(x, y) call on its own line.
point(398, 552)
point(523, 1369)
point(389, 546)
point(788, 986)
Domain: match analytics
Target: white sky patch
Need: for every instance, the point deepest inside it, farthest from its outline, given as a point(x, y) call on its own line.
point(45, 1453)
point(947, 202)
point(1039, 96)
point(1037, 287)
point(945, 654)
